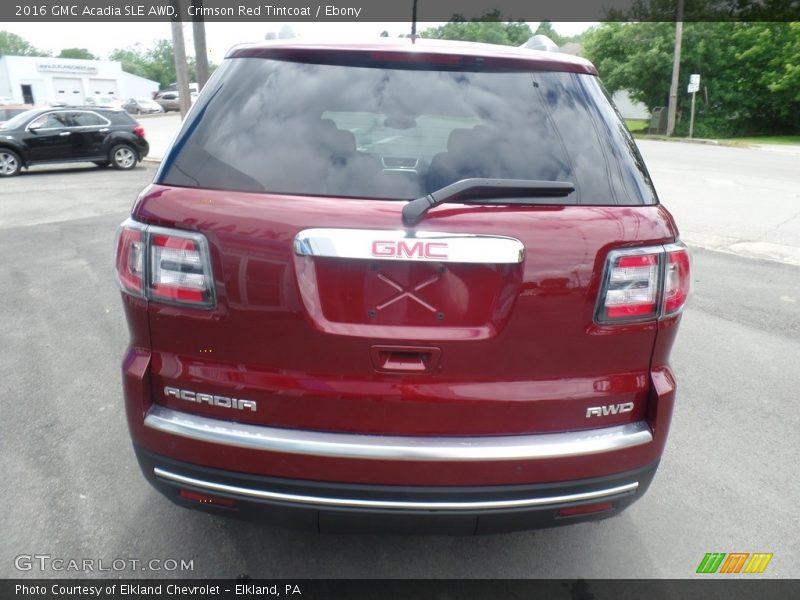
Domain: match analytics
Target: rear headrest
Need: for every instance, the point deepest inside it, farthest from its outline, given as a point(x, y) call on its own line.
point(327, 125)
point(457, 139)
point(345, 141)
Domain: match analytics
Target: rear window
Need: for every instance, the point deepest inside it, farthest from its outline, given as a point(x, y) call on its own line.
point(87, 119)
point(118, 117)
point(396, 134)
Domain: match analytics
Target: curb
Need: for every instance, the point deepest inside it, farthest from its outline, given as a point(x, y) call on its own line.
point(663, 138)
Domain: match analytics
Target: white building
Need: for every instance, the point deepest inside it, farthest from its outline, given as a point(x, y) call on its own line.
point(628, 107)
point(38, 80)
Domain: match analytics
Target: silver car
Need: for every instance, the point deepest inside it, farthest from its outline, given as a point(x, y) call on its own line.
point(171, 100)
point(142, 106)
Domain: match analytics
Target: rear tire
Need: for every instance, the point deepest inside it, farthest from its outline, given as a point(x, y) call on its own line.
point(123, 157)
point(10, 163)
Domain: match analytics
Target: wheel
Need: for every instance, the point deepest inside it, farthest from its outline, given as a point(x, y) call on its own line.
point(10, 163)
point(123, 157)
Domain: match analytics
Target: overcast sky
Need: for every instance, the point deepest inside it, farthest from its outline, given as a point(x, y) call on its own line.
point(101, 38)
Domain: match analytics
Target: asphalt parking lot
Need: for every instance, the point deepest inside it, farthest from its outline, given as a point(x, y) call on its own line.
point(727, 483)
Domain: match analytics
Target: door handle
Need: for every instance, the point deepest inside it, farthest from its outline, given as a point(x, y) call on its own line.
point(64, 133)
point(104, 130)
point(408, 359)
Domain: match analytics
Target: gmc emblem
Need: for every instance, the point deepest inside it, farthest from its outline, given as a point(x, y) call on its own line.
point(410, 249)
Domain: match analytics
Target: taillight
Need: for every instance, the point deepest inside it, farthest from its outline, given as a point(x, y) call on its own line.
point(130, 258)
point(632, 290)
point(641, 284)
point(676, 278)
point(585, 509)
point(139, 130)
point(164, 265)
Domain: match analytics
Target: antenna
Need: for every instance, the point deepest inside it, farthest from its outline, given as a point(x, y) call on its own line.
point(414, 23)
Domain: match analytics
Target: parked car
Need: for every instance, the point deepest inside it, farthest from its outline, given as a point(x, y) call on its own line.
point(401, 286)
point(142, 106)
point(65, 135)
point(171, 100)
point(104, 102)
point(7, 111)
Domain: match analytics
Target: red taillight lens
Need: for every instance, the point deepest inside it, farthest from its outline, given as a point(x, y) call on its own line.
point(130, 258)
point(676, 279)
point(631, 290)
point(164, 265)
point(585, 509)
point(139, 130)
point(642, 284)
point(177, 270)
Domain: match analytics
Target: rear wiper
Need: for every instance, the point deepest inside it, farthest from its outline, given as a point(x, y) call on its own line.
point(486, 191)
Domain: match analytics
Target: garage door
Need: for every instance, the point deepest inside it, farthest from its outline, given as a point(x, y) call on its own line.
point(68, 89)
point(103, 87)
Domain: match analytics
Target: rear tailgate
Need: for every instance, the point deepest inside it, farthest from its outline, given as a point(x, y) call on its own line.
point(411, 345)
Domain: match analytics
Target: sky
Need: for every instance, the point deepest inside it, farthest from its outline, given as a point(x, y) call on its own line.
point(101, 38)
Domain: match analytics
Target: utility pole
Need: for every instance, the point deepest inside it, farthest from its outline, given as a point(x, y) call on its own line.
point(414, 22)
point(676, 67)
point(181, 68)
point(200, 51)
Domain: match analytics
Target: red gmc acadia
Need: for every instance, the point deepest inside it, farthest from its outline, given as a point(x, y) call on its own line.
point(401, 286)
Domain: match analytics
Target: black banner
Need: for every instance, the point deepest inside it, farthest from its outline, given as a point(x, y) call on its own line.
point(395, 10)
point(405, 589)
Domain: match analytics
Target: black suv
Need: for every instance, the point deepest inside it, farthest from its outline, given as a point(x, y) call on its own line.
point(72, 134)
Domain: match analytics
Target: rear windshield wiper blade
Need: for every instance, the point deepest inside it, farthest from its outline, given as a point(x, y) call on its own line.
point(486, 191)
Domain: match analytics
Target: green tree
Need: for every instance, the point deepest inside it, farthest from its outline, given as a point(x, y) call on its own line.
point(156, 63)
point(77, 53)
point(787, 73)
point(708, 11)
point(14, 45)
point(160, 63)
point(635, 57)
point(749, 71)
point(489, 29)
point(132, 58)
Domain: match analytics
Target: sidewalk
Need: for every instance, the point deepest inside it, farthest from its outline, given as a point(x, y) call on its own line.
point(790, 149)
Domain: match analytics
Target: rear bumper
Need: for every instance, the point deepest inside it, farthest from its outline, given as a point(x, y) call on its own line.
point(143, 148)
point(338, 507)
point(397, 448)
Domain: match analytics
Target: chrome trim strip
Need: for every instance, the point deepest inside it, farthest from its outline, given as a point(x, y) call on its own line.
point(378, 244)
point(393, 504)
point(394, 447)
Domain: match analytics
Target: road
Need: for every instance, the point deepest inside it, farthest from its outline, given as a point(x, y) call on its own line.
point(72, 489)
point(744, 201)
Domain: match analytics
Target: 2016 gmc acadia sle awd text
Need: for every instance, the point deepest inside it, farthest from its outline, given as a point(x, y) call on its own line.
point(401, 286)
